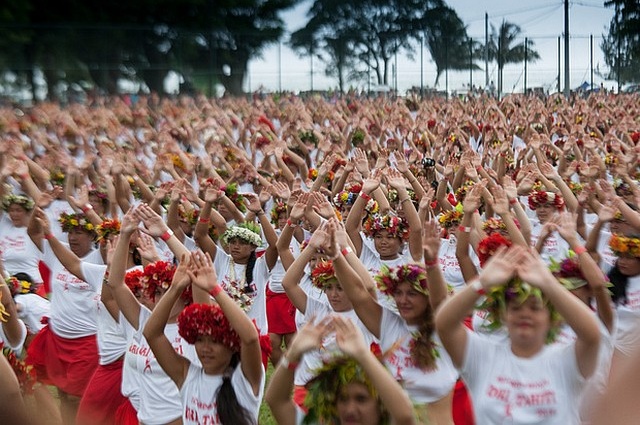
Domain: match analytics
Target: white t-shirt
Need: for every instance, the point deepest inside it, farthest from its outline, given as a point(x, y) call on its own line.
point(17, 347)
point(312, 291)
point(313, 360)
point(74, 301)
point(480, 324)
point(504, 388)
point(199, 391)
point(423, 386)
point(19, 253)
point(554, 246)
point(627, 335)
point(112, 341)
point(372, 261)
point(449, 263)
point(32, 308)
point(258, 309)
point(607, 257)
point(159, 401)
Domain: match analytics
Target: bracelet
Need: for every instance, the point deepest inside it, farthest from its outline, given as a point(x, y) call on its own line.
point(404, 200)
point(346, 251)
point(477, 286)
point(579, 250)
point(216, 290)
point(259, 213)
point(285, 363)
point(465, 229)
point(513, 201)
point(431, 263)
point(48, 236)
point(167, 235)
point(291, 223)
point(86, 208)
point(24, 176)
point(203, 220)
point(364, 196)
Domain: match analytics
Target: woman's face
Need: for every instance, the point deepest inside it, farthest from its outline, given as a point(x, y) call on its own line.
point(337, 298)
point(528, 322)
point(214, 356)
point(412, 305)
point(356, 406)
point(240, 250)
point(18, 215)
point(544, 212)
point(387, 245)
point(628, 265)
point(97, 204)
point(80, 242)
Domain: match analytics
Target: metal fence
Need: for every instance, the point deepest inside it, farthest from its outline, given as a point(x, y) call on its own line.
point(279, 68)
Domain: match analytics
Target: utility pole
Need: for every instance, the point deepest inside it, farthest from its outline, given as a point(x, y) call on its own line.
point(526, 42)
point(567, 84)
point(486, 49)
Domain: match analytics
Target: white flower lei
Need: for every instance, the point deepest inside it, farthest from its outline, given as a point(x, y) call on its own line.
point(243, 300)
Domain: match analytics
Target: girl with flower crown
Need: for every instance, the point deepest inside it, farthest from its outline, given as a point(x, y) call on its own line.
point(153, 396)
point(227, 383)
point(355, 388)
point(523, 379)
point(18, 252)
point(242, 274)
point(414, 359)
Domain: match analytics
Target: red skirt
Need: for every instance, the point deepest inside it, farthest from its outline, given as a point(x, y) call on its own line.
point(462, 408)
point(68, 364)
point(280, 313)
point(102, 397)
point(126, 414)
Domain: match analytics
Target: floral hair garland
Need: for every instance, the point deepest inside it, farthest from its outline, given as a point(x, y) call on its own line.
point(489, 245)
point(156, 276)
point(622, 245)
point(57, 177)
point(70, 222)
point(357, 138)
point(133, 280)
point(23, 201)
point(392, 195)
point(278, 209)
point(393, 224)
point(17, 286)
point(3, 312)
point(26, 374)
point(575, 187)
point(231, 192)
point(248, 232)
point(323, 274)
point(313, 175)
point(568, 272)
point(452, 217)
point(496, 299)
point(388, 279)
point(540, 197)
point(108, 228)
point(207, 320)
point(496, 224)
point(189, 216)
point(622, 188)
point(98, 193)
point(610, 159)
point(461, 192)
point(324, 389)
point(308, 136)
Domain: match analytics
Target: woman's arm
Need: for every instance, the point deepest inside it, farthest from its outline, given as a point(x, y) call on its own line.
point(173, 364)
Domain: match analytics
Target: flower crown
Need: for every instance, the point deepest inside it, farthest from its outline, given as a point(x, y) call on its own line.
point(496, 224)
point(451, 217)
point(323, 273)
point(392, 195)
point(202, 319)
point(57, 177)
point(99, 193)
point(388, 279)
point(461, 192)
point(393, 224)
point(575, 187)
point(622, 245)
point(17, 286)
point(278, 209)
point(308, 136)
point(495, 304)
point(231, 192)
point(489, 245)
point(248, 232)
point(189, 216)
point(357, 137)
point(323, 390)
point(69, 222)
point(610, 159)
point(568, 272)
point(107, 228)
point(157, 275)
point(133, 280)
point(313, 175)
point(540, 197)
point(23, 201)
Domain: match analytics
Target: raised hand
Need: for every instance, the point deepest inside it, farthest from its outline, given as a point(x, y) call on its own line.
point(533, 270)
point(501, 266)
point(310, 337)
point(566, 226)
point(129, 223)
point(181, 277)
point(201, 271)
point(348, 337)
point(147, 248)
point(253, 203)
point(431, 240)
point(153, 223)
point(322, 205)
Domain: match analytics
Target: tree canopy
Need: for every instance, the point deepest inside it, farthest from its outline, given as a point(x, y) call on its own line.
point(621, 45)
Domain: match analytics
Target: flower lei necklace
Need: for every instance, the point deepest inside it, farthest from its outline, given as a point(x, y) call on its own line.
point(238, 289)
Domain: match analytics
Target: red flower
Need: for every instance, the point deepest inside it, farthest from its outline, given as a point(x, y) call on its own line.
point(489, 245)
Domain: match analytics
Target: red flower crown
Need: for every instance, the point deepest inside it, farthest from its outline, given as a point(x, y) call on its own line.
point(388, 279)
point(157, 275)
point(322, 274)
point(202, 319)
point(540, 197)
point(393, 224)
point(489, 245)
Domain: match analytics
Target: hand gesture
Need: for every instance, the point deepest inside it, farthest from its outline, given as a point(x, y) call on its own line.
point(253, 202)
point(281, 190)
point(501, 266)
point(42, 220)
point(153, 223)
point(395, 180)
point(320, 238)
point(129, 222)
point(509, 187)
point(147, 248)
point(181, 277)
point(361, 161)
point(201, 271)
point(500, 201)
point(431, 240)
point(370, 184)
point(349, 338)
point(533, 270)
point(212, 195)
point(566, 226)
point(401, 163)
point(472, 200)
point(310, 337)
point(322, 206)
point(297, 212)
point(606, 213)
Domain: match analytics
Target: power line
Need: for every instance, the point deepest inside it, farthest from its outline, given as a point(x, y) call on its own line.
point(517, 11)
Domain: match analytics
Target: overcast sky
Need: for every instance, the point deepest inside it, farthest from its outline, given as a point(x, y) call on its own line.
point(540, 20)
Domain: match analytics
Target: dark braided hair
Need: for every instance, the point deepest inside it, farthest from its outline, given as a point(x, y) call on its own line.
point(248, 273)
point(620, 283)
point(230, 411)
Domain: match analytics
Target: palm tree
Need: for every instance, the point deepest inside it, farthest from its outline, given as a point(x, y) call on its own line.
point(503, 48)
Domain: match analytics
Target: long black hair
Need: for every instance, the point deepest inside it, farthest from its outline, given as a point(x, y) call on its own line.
point(620, 283)
point(248, 273)
point(230, 411)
